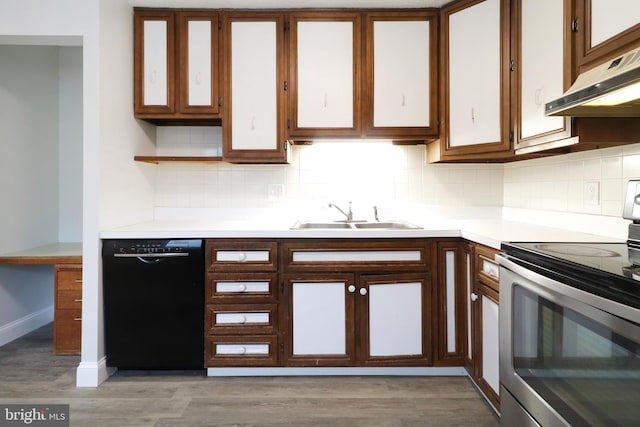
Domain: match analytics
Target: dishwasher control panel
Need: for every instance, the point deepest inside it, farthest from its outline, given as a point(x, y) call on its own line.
point(142, 247)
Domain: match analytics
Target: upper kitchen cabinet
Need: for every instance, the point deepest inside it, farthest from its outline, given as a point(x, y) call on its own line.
point(541, 41)
point(254, 81)
point(605, 29)
point(176, 65)
point(475, 93)
point(325, 69)
point(401, 74)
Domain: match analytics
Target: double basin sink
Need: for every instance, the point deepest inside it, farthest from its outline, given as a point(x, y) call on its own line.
point(355, 225)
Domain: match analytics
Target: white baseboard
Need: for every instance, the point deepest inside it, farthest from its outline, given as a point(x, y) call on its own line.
point(25, 324)
point(92, 374)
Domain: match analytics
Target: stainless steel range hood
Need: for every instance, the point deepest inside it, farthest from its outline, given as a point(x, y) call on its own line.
point(611, 89)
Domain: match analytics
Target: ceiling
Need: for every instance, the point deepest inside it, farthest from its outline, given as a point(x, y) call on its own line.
point(288, 4)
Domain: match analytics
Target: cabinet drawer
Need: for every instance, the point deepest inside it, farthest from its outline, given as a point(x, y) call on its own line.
point(69, 299)
point(242, 319)
point(67, 331)
point(242, 288)
point(487, 269)
point(238, 255)
point(241, 350)
point(68, 277)
point(349, 256)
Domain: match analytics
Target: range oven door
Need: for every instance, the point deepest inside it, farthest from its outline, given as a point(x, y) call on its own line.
point(563, 356)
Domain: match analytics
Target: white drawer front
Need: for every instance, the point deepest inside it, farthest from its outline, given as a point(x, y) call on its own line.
point(241, 318)
point(242, 256)
point(491, 268)
point(355, 256)
point(242, 287)
point(240, 349)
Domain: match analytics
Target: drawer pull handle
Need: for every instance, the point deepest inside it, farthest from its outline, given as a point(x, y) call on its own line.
point(77, 319)
point(77, 300)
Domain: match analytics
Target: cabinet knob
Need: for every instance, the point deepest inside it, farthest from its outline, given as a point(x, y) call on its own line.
point(242, 287)
point(474, 297)
point(363, 291)
point(242, 256)
point(351, 288)
point(242, 319)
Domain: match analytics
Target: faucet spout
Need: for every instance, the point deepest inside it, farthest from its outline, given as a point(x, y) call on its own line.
point(349, 214)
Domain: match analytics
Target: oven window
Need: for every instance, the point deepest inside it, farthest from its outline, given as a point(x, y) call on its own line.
point(588, 373)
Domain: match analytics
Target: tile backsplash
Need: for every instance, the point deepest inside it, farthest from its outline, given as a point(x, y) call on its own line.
point(376, 172)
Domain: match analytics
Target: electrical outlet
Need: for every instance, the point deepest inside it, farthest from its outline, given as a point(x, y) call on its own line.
point(275, 192)
point(592, 193)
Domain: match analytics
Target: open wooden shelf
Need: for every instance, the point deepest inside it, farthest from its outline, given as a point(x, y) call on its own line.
point(158, 159)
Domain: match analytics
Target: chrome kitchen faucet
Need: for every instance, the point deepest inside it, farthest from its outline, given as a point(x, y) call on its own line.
point(349, 215)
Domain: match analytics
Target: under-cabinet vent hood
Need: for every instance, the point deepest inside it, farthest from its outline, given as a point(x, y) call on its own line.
point(611, 89)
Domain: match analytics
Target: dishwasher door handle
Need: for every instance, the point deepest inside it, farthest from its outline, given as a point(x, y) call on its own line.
point(158, 255)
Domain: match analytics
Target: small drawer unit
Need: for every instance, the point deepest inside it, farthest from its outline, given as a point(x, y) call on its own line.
point(68, 308)
point(241, 310)
point(487, 269)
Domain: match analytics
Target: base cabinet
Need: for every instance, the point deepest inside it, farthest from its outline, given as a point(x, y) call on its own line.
point(358, 320)
point(67, 317)
point(483, 366)
point(241, 305)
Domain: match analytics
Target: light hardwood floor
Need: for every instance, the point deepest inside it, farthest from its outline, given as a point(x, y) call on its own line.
point(30, 373)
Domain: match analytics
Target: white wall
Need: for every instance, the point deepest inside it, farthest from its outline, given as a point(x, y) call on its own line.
point(70, 144)
point(29, 148)
point(126, 187)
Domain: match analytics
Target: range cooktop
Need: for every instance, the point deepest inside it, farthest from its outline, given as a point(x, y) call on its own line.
point(611, 270)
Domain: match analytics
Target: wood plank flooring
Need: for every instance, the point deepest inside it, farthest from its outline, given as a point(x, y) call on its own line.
point(30, 373)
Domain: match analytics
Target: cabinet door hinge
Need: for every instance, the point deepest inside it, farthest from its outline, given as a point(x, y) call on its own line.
point(219, 25)
point(286, 85)
point(510, 136)
point(288, 123)
point(282, 287)
point(282, 349)
point(512, 65)
point(575, 26)
point(287, 26)
point(219, 101)
point(286, 145)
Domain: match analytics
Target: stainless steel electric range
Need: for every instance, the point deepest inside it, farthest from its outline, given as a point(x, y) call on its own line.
point(570, 330)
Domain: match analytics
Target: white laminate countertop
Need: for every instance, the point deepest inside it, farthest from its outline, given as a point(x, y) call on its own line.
point(488, 230)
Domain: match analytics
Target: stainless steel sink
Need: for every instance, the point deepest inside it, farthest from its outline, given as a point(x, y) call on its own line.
point(320, 225)
point(385, 225)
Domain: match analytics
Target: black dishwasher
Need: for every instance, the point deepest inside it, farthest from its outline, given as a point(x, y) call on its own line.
point(154, 304)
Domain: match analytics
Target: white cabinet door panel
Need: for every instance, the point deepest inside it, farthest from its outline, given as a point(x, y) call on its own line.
point(319, 318)
point(155, 62)
point(395, 319)
point(542, 64)
point(325, 74)
point(474, 80)
point(490, 353)
point(401, 73)
point(611, 17)
point(254, 86)
point(199, 63)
